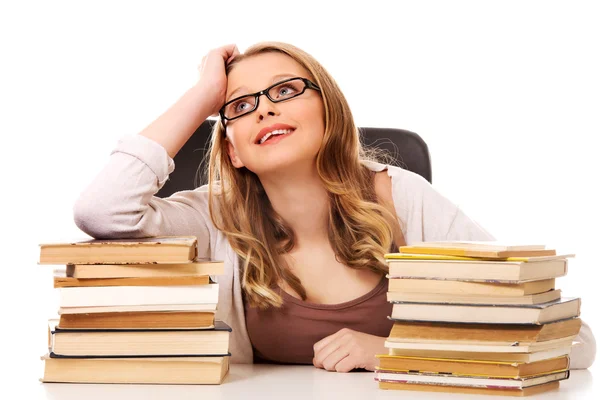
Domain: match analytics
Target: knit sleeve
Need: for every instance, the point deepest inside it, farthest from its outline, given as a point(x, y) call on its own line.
point(120, 201)
point(583, 352)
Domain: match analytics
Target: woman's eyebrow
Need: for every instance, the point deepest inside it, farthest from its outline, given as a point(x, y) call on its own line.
point(273, 80)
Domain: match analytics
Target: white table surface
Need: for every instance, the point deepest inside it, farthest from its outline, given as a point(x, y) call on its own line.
point(267, 382)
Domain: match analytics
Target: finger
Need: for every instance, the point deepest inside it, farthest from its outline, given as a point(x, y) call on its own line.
point(325, 352)
point(230, 59)
point(341, 340)
point(335, 357)
point(346, 364)
point(233, 51)
point(234, 54)
point(328, 339)
point(227, 50)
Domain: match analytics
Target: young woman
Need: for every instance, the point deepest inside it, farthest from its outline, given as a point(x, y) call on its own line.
point(299, 215)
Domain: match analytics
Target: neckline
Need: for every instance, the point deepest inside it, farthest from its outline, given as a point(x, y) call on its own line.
point(338, 306)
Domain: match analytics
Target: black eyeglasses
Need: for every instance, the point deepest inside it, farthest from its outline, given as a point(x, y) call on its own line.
point(280, 91)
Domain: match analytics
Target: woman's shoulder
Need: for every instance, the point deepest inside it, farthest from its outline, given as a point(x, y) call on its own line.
point(401, 182)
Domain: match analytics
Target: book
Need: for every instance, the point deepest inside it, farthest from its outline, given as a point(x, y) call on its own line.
point(528, 391)
point(485, 271)
point(438, 298)
point(165, 370)
point(138, 308)
point(164, 249)
point(482, 347)
point(61, 281)
point(131, 343)
point(443, 257)
point(485, 356)
point(469, 381)
point(481, 314)
point(493, 245)
point(509, 335)
point(138, 320)
point(452, 287)
point(500, 369)
point(96, 296)
point(496, 250)
point(197, 268)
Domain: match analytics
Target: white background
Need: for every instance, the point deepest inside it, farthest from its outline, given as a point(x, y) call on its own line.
point(505, 93)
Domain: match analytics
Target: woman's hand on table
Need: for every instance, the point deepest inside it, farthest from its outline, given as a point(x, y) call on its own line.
point(346, 350)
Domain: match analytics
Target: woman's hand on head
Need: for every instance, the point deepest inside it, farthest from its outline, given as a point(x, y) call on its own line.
point(346, 350)
point(212, 79)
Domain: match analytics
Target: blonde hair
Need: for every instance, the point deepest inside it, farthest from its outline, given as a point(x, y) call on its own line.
point(359, 228)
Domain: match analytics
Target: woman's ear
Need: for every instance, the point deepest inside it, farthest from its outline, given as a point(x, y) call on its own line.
point(235, 160)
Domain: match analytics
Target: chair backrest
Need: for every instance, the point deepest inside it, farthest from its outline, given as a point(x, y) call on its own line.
point(407, 149)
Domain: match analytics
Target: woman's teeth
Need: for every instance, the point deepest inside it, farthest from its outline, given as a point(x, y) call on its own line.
point(273, 133)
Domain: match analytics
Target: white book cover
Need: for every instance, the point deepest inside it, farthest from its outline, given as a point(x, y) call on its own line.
point(469, 381)
point(103, 296)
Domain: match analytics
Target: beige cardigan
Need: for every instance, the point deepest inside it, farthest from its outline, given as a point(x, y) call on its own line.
point(120, 203)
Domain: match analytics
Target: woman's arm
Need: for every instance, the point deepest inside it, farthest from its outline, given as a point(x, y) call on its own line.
point(120, 201)
point(583, 352)
point(176, 125)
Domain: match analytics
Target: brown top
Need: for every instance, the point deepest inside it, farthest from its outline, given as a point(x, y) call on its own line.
point(287, 334)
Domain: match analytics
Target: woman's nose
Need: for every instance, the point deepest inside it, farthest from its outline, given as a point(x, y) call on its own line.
point(266, 107)
point(271, 113)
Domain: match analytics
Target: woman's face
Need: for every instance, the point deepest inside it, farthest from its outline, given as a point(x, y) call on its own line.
point(303, 114)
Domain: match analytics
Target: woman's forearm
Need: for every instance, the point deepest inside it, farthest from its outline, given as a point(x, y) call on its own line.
point(174, 127)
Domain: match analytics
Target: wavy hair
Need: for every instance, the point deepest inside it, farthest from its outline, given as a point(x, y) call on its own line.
point(359, 228)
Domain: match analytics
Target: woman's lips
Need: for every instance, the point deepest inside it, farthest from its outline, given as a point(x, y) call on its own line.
point(276, 138)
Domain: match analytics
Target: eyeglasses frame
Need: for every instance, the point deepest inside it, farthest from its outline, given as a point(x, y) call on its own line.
point(308, 85)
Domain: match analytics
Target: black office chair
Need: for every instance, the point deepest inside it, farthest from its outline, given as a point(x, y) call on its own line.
point(406, 149)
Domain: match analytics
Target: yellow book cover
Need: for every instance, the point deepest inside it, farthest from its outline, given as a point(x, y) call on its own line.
point(490, 249)
point(445, 257)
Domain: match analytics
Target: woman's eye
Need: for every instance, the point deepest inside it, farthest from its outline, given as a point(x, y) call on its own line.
point(238, 106)
point(285, 90)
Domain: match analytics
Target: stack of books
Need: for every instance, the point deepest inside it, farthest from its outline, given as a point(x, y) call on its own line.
point(135, 311)
point(478, 317)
